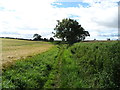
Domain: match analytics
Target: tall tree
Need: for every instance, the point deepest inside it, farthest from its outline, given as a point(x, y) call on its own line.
point(70, 30)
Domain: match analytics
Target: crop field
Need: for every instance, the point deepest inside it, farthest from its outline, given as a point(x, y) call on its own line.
point(82, 65)
point(13, 49)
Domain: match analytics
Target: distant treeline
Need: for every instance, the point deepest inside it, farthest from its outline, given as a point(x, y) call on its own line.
point(42, 39)
point(16, 38)
point(51, 39)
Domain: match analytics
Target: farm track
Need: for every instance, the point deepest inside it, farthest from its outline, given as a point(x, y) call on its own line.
point(54, 79)
point(58, 80)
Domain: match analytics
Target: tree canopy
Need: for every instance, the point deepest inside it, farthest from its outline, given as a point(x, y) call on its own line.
point(51, 39)
point(37, 37)
point(69, 30)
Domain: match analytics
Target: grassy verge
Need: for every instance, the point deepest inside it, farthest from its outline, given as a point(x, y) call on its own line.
point(91, 65)
point(30, 73)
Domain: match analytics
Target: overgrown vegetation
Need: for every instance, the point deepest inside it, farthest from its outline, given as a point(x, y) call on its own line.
point(82, 65)
point(91, 65)
point(30, 73)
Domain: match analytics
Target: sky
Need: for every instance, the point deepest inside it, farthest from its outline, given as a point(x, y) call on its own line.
point(23, 18)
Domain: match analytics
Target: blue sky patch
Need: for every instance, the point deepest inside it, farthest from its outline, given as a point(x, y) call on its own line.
point(4, 32)
point(119, 3)
point(69, 4)
point(73, 16)
point(2, 8)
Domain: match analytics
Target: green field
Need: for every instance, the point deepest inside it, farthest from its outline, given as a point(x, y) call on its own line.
point(82, 65)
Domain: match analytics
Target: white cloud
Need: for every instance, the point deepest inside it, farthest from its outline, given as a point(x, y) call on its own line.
point(25, 13)
point(35, 16)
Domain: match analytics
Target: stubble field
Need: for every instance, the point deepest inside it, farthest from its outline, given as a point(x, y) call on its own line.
point(13, 49)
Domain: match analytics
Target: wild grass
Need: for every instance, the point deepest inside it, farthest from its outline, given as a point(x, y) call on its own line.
point(82, 65)
point(32, 72)
point(91, 65)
